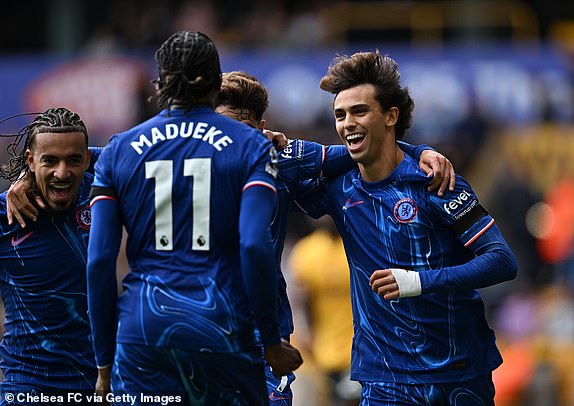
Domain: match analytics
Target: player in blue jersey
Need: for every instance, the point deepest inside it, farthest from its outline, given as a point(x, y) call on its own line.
point(416, 259)
point(46, 350)
point(196, 193)
point(243, 98)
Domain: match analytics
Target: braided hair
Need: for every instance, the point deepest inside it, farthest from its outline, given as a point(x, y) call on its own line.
point(54, 120)
point(189, 70)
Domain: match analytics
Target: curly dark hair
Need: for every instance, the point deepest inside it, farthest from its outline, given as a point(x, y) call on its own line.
point(382, 72)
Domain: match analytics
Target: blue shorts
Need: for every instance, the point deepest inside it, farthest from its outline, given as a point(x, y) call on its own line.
point(156, 375)
point(279, 389)
point(475, 392)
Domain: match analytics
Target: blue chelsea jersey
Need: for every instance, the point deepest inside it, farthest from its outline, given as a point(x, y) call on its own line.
point(299, 161)
point(43, 286)
point(397, 223)
point(179, 178)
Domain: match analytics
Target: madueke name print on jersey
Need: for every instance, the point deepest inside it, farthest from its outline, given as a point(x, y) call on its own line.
point(187, 170)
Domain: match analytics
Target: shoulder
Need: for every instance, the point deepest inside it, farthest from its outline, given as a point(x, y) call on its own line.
point(240, 133)
point(455, 204)
point(3, 205)
point(85, 188)
point(5, 229)
point(133, 133)
point(409, 171)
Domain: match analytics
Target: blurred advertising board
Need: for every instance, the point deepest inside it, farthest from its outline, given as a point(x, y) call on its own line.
point(508, 85)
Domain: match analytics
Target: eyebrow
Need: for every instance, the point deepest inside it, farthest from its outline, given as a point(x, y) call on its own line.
point(67, 157)
point(354, 107)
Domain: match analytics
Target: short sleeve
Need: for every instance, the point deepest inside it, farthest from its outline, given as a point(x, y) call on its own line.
point(103, 168)
point(264, 164)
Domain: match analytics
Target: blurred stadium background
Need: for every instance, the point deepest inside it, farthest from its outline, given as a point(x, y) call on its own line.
point(493, 83)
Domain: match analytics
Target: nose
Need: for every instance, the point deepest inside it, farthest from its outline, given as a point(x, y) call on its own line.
point(62, 170)
point(350, 122)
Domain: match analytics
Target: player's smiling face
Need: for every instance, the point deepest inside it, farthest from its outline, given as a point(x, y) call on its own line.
point(58, 161)
point(361, 122)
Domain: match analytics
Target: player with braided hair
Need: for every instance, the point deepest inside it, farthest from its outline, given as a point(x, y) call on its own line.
point(46, 349)
point(189, 69)
point(196, 193)
point(18, 205)
point(57, 120)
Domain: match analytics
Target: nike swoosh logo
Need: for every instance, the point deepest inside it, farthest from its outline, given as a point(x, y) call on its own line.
point(17, 242)
point(349, 204)
point(273, 396)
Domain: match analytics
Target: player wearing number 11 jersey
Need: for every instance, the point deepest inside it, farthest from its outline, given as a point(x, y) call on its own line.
point(195, 191)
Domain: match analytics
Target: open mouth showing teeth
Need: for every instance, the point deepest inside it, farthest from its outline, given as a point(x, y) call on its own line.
point(60, 189)
point(355, 138)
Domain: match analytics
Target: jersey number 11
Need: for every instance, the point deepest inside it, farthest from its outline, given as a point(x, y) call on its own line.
point(162, 172)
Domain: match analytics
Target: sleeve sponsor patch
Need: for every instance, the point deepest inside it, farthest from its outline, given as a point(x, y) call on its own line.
point(461, 204)
point(294, 149)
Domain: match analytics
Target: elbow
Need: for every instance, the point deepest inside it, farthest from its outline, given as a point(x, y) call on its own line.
point(509, 265)
point(97, 266)
point(252, 249)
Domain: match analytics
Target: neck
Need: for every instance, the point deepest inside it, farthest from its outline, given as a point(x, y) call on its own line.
point(208, 101)
point(382, 167)
point(182, 104)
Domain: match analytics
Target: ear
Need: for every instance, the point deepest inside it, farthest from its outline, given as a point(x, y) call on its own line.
point(392, 116)
point(30, 160)
point(261, 125)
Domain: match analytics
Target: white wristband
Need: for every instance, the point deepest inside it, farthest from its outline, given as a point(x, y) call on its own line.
point(409, 282)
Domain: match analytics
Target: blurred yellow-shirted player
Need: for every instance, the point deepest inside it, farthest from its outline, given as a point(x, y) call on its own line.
point(320, 270)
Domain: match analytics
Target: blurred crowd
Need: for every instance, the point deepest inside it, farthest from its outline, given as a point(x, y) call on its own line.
point(524, 175)
point(129, 24)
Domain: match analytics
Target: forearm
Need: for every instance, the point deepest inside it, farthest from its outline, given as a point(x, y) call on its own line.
point(103, 247)
point(414, 151)
point(494, 263)
point(258, 261)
